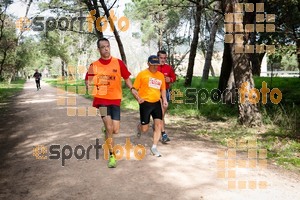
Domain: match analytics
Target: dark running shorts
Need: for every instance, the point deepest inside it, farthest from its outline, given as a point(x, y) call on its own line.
point(113, 111)
point(147, 109)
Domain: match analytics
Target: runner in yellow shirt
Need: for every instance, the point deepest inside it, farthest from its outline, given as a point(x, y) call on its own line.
point(151, 86)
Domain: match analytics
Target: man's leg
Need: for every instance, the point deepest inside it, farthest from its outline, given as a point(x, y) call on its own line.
point(156, 134)
point(143, 125)
point(164, 136)
point(144, 128)
point(36, 83)
point(157, 120)
point(112, 126)
point(109, 127)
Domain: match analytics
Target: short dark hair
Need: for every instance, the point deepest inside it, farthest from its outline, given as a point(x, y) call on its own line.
point(161, 52)
point(101, 39)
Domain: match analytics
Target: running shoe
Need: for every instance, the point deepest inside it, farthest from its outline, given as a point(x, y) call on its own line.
point(165, 138)
point(155, 152)
point(112, 162)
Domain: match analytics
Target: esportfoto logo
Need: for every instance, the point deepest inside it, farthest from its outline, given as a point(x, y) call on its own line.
point(40, 23)
point(244, 95)
point(66, 152)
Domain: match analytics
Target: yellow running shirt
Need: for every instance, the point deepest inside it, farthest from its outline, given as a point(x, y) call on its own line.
point(149, 85)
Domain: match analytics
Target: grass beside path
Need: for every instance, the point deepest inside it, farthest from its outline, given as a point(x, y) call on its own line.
point(9, 90)
point(279, 135)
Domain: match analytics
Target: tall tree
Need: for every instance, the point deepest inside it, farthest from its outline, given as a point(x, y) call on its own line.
point(194, 44)
point(95, 19)
point(8, 43)
point(56, 44)
point(115, 31)
point(94, 9)
point(286, 33)
point(213, 31)
point(236, 69)
point(200, 6)
point(287, 24)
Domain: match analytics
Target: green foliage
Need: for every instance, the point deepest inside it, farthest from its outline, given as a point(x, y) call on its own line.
point(8, 43)
point(29, 54)
point(287, 20)
point(285, 113)
point(149, 31)
point(163, 23)
point(5, 3)
point(284, 58)
point(55, 45)
point(220, 111)
point(282, 148)
point(289, 62)
point(9, 90)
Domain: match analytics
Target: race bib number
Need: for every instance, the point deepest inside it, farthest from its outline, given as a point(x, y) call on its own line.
point(154, 83)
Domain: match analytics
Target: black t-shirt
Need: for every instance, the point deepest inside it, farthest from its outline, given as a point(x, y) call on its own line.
point(37, 75)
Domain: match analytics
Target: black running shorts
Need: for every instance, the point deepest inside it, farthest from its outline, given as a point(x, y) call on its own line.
point(147, 109)
point(112, 110)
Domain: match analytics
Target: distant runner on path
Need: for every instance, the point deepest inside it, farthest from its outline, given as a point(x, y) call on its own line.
point(37, 75)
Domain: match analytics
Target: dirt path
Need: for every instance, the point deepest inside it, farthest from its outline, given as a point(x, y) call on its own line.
point(188, 169)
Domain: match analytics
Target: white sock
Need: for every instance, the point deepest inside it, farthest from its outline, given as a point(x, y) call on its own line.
point(153, 146)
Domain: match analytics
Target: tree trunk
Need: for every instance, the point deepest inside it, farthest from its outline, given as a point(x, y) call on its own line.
point(160, 32)
point(226, 80)
point(160, 39)
point(194, 44)
point(115, 31)
point(120, 45)
point(210, 48)
point(2, 62)
point(212, 71)
point(248, 111)
point(94, 6)
point(298, 54)
point(226, 67)
point(2, 20)
point(255, 58)
point(9, 78)
point(62, 68)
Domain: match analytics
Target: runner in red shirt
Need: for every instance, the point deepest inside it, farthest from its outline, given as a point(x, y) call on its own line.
point(170, 77)
point(105, 76)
